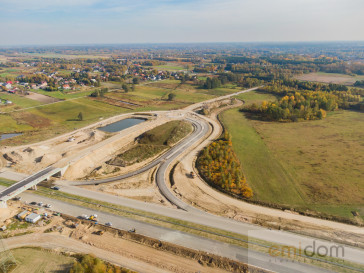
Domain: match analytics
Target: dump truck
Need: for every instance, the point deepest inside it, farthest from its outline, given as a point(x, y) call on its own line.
point(99, 232)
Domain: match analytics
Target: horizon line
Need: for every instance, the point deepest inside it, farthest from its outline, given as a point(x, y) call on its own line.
point(184, 43)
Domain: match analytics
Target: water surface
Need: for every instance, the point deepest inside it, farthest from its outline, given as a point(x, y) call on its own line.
point(121, 125)
point(6, 136)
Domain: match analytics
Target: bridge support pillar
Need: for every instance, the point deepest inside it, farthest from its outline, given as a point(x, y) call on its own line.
point(35, 187)
point(3, 204)
point(63, 171)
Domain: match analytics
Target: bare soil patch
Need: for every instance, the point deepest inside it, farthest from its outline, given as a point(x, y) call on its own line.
point(140, 187)
point(328, 78)
point(41, 98)
point(164, 85)
point(33, 120)
point(116, 102)
point(35, 260)
point(69, 234)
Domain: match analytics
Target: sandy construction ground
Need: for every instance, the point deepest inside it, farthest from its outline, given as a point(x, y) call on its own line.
point(109, 248)
point(62, 235)
point(86, 148)
point(139, 187)
point(40, 155)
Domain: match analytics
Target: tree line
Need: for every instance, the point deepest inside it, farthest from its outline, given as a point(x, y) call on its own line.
point(303, 105)
point(225, 78)
point(91, 264)
point(219, 165)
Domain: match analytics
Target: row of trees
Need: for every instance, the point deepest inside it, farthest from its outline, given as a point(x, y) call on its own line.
point(219, 165)
point(91, 264)
point(287, 109)
point(282, 86)
point(344, 97)
point(280, 64)
point(225, 78)
point(211, 83)
point(359, 83)
point(303, 105)
point(99, 92)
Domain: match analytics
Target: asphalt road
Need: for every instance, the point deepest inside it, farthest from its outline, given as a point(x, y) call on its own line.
point(200, 129)
point(24, 182)
point(180, 238)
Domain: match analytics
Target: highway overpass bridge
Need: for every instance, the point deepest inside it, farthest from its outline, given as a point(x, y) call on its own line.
point(29, 182)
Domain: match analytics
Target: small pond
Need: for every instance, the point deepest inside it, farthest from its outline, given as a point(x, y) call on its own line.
point(121, 125)
point(133, 104)
point(6, 136)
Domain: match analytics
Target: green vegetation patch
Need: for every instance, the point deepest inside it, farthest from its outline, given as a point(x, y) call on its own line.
point(90, 264)
point(153, 142)
point(137, 154)
point(8, 124)
point(313, 165)
point(219, 165)
point(158, 92)
point(50, 120)
point(170, 67)
point(166, 134)
point(34, 260)
point(19, 102)
point(64, 95)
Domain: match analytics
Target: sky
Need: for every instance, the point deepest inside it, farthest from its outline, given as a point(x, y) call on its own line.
point(50, 22)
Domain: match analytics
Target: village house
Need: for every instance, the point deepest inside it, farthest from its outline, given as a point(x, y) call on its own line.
point(7, 85)
point(66, 87)
point(43, 85)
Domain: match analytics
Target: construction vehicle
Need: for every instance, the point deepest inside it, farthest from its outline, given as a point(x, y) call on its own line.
point(99, 232)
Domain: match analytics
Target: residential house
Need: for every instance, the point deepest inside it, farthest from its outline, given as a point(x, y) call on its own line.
point(43, 85)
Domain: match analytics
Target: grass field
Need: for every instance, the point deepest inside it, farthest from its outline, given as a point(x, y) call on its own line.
point(10, 125)
point(18, 102)
point(314, 165)
point(170, 67)
point(185, 93)
point(9, 72)
point(154, 142)
point(45, 121)
point(53, 119)
point(330, 78)
point(35, 260)
point(63, 95)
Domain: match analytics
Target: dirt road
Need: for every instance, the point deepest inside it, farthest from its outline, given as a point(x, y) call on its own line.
point(128, 254)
